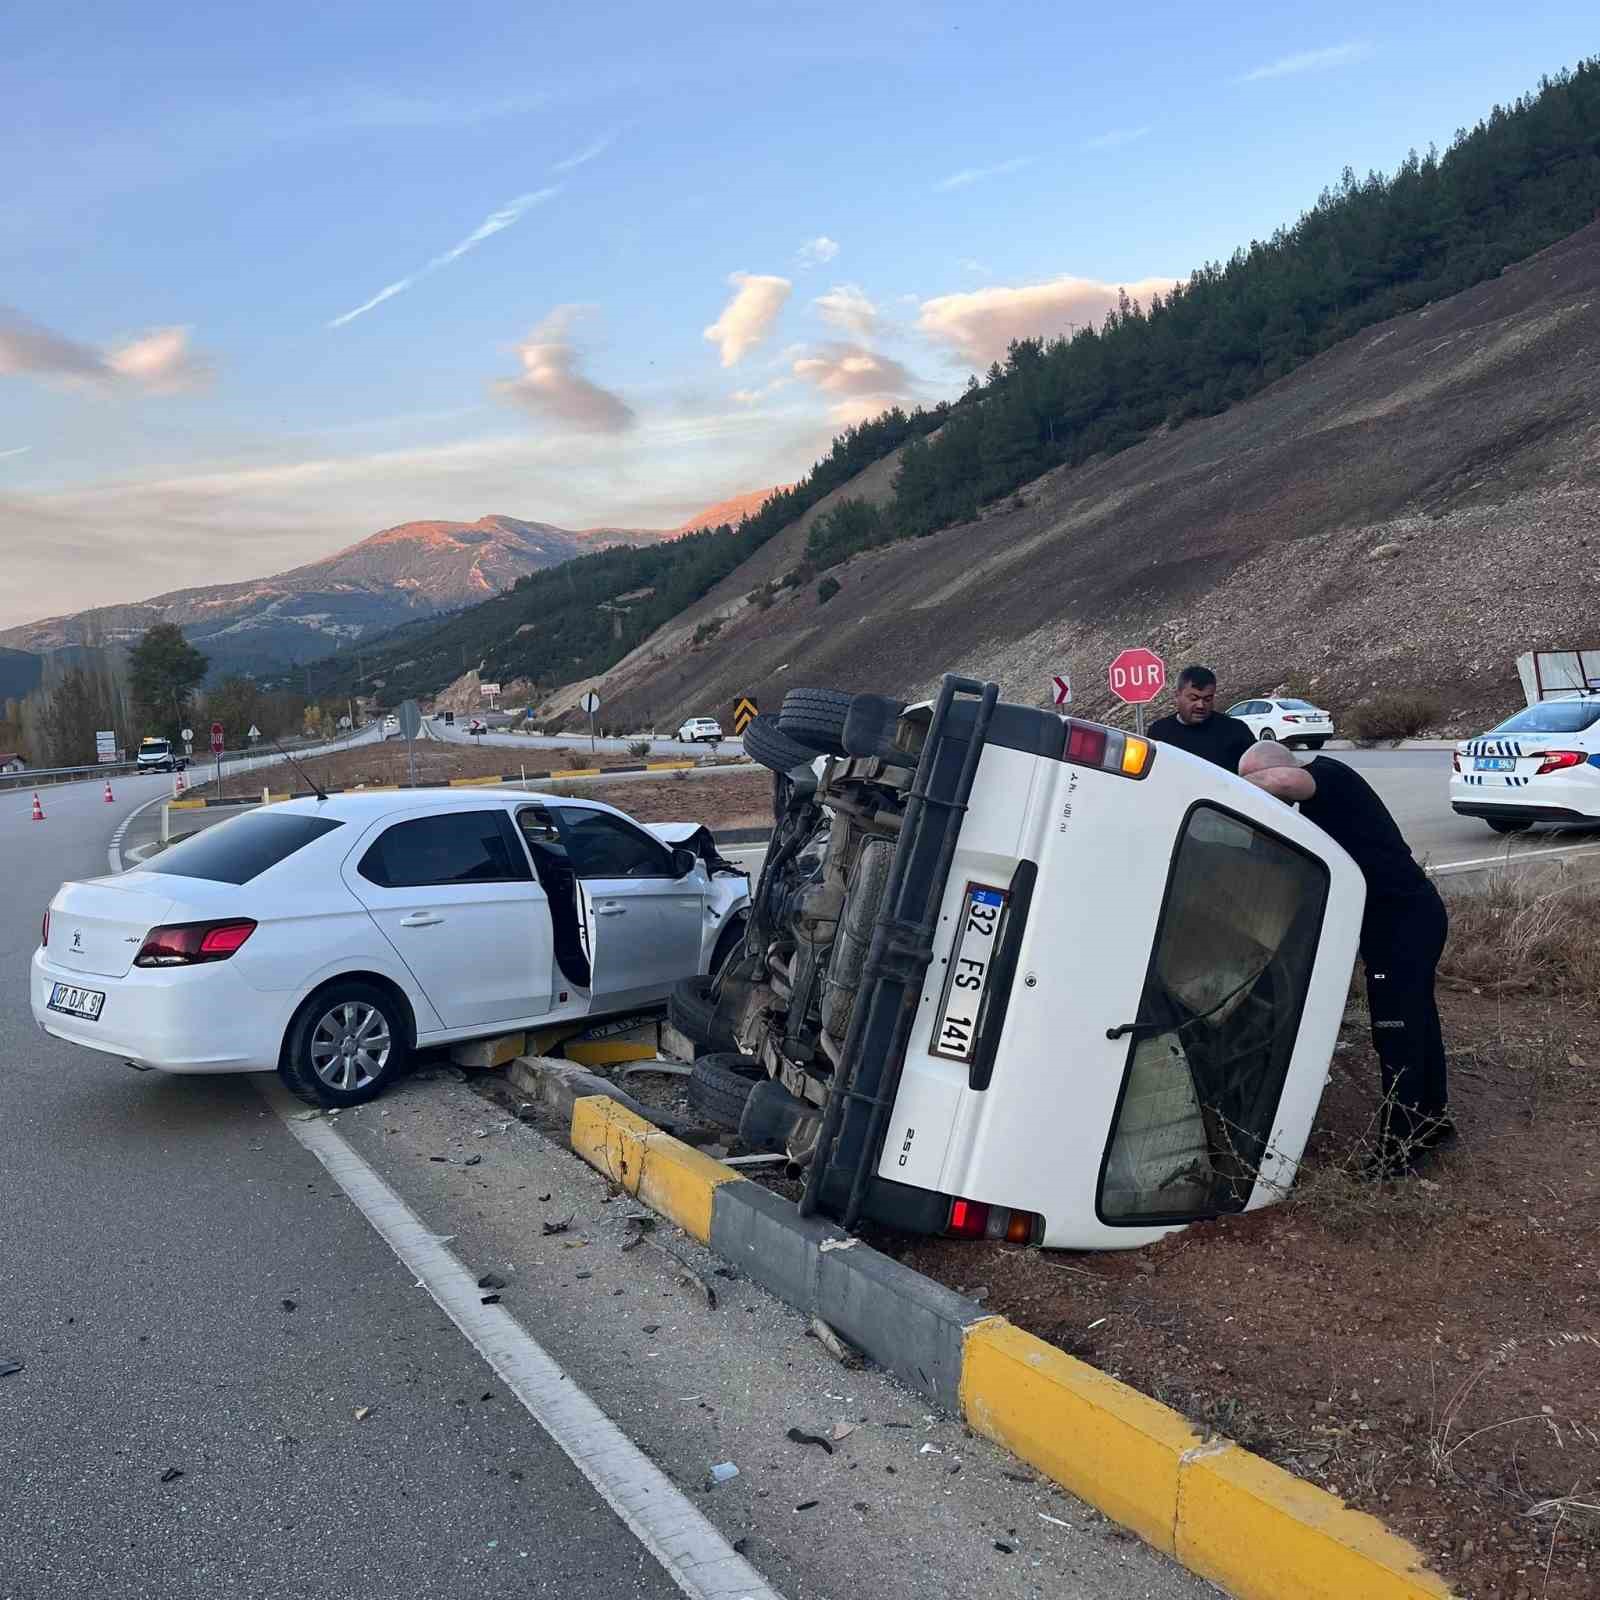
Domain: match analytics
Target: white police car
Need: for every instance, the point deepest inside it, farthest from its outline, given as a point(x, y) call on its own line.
point(1542, 765)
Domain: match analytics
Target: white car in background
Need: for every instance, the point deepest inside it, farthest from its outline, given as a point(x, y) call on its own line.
point(391, 726)
point(700, 730)
point(1542, 765)
point(329, 939)
point(1290, 721)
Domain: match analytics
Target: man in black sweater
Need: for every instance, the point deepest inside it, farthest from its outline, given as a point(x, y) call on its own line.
point(1198, 727)
point(1403, 933)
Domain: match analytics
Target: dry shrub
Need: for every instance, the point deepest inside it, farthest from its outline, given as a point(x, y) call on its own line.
point(1391, 714)
point(1529, 934)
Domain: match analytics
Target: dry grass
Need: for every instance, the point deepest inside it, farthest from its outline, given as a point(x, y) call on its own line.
point(1393, 714)
point(1528, 934)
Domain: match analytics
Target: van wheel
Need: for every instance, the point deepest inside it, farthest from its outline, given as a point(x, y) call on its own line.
point(347, 1043)
point(767, 743)
point(816, 717)
point(720, 1084)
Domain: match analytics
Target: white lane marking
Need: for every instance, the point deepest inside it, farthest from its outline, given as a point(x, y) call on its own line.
point(114, 849)
point(691, 1551)
point(1525, 858)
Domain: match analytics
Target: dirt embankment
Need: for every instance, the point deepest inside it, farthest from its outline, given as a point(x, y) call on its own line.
point(1414, 508)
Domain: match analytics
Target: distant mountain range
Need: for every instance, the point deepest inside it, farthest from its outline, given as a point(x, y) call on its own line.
point(403, 574)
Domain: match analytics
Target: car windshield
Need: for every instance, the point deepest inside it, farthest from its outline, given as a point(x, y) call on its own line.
point(1554, 716)
point(1217, 1022)
point(241, 849)
point(154, 747)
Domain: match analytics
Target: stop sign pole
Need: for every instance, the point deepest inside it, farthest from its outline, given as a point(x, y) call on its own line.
point(1136, 677)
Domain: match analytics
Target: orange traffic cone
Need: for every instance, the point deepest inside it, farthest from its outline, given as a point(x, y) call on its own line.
point(110, 798)
point(38, 810)
point(177, 782)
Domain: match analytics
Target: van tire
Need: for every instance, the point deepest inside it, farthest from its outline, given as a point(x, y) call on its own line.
point(692, 1010)
point(816, 717)
point(767, 743)
point(720, 1084)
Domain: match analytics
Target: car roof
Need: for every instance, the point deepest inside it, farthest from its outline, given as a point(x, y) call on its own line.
point(365, 805)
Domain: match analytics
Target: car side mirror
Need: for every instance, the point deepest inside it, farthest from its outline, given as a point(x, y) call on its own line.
point(684, 861)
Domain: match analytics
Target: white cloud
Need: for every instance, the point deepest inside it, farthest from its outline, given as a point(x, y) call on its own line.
point(552, 386)
point(858, 381)
point(978, 269)
point(1115, 137)
point(977, 326)
point(15, 450)
point(1339, 55)
point(754, 397)
point(818, 252)
point(971, 175)
point(495, 222)
point(846, 306)
point(597, 147)
point(160, 361)
point(749, 316)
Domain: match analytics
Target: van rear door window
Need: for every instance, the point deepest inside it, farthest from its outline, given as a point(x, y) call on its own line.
point(1217, 1023)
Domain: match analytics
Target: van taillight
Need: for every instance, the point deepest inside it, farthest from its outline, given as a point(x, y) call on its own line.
point(972, 1219)
point(1090, 745)
point(186, 944)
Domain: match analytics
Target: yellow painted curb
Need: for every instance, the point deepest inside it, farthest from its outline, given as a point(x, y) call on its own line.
point(475, 783)
point(608, 1052)
point(186, 805)
point(666, 1174)
point(668, 766)
point(578, 772)
point(1262, 1533)
point(1109, 1444)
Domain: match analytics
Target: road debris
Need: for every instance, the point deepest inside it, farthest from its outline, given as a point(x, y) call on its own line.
point(843, 1430)
point(172, 1474)
point(801, 1437)
point(488, 1299)
point(845, 1354)
point(472, 1161)
point(9, 1367)
point(288, 1305)
point(808, 1505)
point(838, 1244)
point(306, 1116)
point(723, 1471)
point(491, 1280)
point(362, 1413)
point(1055, 1522)
point(1004, 1548)
point(930, 1450)
point(559, 1227)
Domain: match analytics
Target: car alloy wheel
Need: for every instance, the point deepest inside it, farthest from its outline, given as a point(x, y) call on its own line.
point(1267, 735)
point(350, 1045)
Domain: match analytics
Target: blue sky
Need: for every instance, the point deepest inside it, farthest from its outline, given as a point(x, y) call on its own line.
point(860, 203)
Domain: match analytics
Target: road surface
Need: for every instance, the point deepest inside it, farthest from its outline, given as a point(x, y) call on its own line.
point(232, 1385)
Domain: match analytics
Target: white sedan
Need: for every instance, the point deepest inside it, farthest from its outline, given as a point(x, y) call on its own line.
point(700, 729)
point(1542, 765)
point(1292, 721)
point(329, 939)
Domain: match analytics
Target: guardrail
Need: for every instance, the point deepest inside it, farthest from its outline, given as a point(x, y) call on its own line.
point(199, 763)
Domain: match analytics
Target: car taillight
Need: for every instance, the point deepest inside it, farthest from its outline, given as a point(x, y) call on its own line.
point(972, 1219)
point(1558, 760)
point(44, 932)
point(186, 944)
point(1090, 745)
point(1455, 760)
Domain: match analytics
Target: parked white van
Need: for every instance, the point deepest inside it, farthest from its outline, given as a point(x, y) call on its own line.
point(1015, 975)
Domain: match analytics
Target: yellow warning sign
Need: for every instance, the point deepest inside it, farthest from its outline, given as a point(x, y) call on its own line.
point(744, 713)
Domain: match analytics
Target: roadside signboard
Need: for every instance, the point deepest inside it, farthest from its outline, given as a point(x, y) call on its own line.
point(188, 735)
point(1061, 688)
point(1136, 677)
point(216, 738)
point(745, 711)
point(105, 746)
point(489, 691)
point(254, 733)
point(591, 704)
point(409, 715)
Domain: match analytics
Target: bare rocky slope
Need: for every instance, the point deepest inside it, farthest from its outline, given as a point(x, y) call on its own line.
point(1413, 509)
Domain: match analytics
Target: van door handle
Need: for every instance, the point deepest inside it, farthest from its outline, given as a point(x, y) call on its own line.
point(421, 919)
